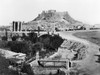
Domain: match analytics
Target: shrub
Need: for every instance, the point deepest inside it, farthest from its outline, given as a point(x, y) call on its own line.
point(51, 42)
point(24, 37)
point(59, 72)
point(56, 41)
point(25, 47)
point(45, 39)
point(27, 69)
point(32, 37)
point(14, 38)
point(20, 46)
point(3, 44)
point(4, 38)
point(36, 47)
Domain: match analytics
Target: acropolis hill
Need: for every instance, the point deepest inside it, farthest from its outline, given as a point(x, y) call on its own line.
point(52, 18)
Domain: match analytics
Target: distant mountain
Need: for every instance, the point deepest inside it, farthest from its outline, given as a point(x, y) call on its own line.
point(51, 17)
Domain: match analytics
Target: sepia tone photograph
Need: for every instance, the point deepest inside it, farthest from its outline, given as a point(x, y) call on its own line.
point(49, 37)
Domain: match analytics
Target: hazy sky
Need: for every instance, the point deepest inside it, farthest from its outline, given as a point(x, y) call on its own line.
point(87, 11)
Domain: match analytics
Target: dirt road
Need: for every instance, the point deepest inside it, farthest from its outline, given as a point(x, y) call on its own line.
point(90, 61)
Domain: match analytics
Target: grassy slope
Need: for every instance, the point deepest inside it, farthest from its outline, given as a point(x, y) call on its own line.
point(92, 36)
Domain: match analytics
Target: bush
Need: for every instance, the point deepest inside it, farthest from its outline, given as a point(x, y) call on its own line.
point(27, 69)
point(25, 47)
point(20, 46)
point(37, 46)
point(59, 72)
point(3, 44)
point(24, 37)
point(4, 38)
point(51, 42)
point(14, 38)
point(45, 39)
point(56, 41)
point(32, 37)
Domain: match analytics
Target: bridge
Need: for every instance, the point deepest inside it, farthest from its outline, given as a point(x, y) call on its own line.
point(39, 33)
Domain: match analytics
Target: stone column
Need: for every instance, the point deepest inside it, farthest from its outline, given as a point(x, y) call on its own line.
point(14, 26)
point(18, 26)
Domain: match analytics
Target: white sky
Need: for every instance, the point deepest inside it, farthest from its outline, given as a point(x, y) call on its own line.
point(87, 11)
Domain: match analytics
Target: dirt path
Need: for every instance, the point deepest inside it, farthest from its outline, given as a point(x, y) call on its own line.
point(93, 49)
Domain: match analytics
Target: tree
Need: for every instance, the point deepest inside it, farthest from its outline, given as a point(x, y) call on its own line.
point(20, 46)
point(23, 36)
point(5, 38)
point(45, 39)
point(37, 47)
point(33, 37)
point(51, 42)
point(56, 41)
point(27, 69)
point(15, 37)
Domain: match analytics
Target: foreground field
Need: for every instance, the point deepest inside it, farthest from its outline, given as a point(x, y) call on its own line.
point(92, 36)
point(87, 66)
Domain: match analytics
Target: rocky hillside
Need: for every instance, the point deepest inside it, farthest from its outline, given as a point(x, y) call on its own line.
point(50, 18)
point(53, 16)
